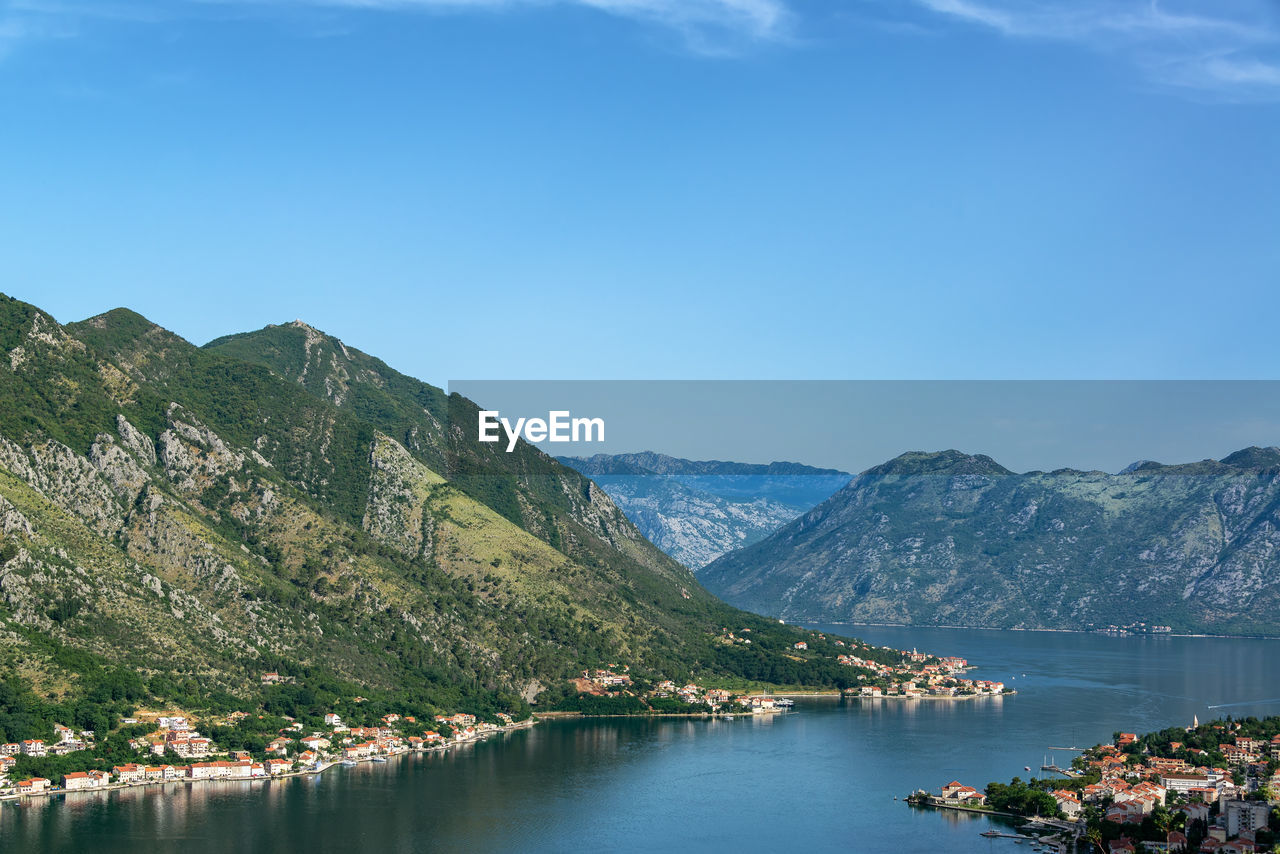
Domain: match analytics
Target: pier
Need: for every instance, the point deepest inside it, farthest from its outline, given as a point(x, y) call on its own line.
point(1065, 772)
point(995, 834)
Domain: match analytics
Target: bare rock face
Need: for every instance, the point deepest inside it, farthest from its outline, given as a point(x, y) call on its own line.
point(12, 521)
point(336, 378)
point(120, 470)
point(531, 690)
point(398, 488)
point(46, 333)
point(138, 444)
point(697, 511)
point(21, 578)
point(193, 455)
point(695, 527)
point(164, 538)
point(67, 479)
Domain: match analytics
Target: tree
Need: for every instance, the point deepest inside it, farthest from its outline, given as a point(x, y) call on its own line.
point(1021, 798)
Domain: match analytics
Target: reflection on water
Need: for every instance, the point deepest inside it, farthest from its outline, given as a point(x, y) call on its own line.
point(822, 778)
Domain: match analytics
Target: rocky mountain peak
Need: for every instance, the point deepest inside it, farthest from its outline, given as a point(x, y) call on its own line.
point(1254, 458)
point(950, 462)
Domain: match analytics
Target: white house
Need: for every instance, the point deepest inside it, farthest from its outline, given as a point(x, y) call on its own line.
point(1068, 803)
point(80, 780)
point(34, 786)
point(130, 773)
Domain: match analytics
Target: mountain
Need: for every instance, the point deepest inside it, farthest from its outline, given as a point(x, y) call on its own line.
point(649, 462)
point(546, 499)
point(953, 539)
point(696, 511)
point(176, 520)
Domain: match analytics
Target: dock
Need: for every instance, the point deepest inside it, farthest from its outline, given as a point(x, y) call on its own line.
point(1065, 772)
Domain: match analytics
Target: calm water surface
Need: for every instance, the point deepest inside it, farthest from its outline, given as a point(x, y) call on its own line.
point(822, 778)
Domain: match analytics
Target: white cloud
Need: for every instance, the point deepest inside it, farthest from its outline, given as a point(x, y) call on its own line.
point(763, 19)
point(10, 32)
point(760, 19)
point(975, 12)
point(1249, 71)
point(708, 26)
point(17, 28)
point(1226, 46)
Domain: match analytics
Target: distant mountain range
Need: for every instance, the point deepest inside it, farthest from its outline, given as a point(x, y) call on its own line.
point(696, 511)
point(955, 539)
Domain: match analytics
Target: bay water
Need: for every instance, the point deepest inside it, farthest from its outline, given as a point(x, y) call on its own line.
point(823, 777)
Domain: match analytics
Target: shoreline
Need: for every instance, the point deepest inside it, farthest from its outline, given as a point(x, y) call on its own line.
point(801, 695)
point(976, 810)
point(305, 772)
point(585, 716)
point(808, 624)
point(932, 696)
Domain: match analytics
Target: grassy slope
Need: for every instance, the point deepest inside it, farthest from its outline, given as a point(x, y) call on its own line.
point(531, 489)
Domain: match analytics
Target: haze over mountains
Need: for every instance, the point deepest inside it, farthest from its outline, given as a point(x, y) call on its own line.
point(954, 539)
point(277, 501)
point(696, 511)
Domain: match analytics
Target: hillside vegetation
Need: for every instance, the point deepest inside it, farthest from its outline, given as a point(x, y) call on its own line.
point(176, 520)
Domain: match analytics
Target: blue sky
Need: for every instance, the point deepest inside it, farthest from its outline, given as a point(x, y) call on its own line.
point(742, 189)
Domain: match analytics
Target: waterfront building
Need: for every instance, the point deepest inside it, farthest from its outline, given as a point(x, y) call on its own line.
point(130, 773)
point(956, 793)
point(81, 780)
point(34, 786)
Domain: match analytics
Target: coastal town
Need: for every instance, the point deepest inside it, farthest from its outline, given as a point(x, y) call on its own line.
point(907, 675)
point(1208, 788)
point(176, 751)
point(921, 676)
point(176, 746)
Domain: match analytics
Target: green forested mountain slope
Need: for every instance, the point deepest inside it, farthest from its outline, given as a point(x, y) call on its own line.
point(954, 539)
point(180, 519)
point(550, 500)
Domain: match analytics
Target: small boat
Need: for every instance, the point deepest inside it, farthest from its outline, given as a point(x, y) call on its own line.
point(379, 759)
point(348, 762)
point(1026, 767)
